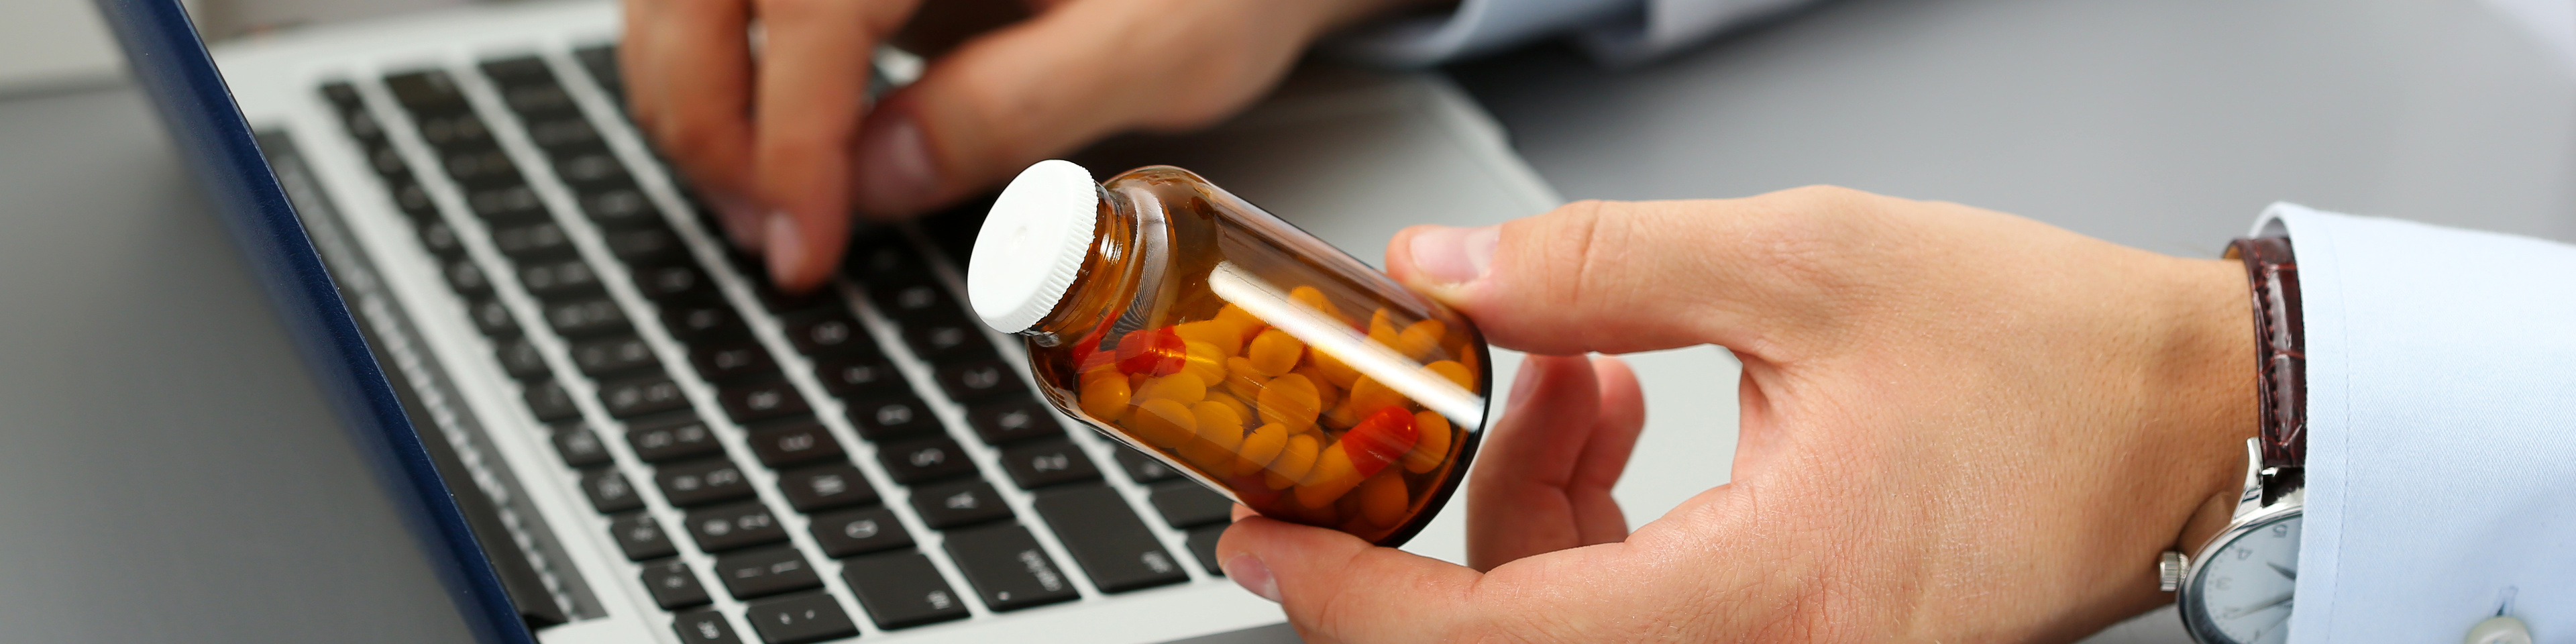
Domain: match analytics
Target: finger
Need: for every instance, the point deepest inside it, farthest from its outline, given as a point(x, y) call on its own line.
point(1605, 454)
point(1517, 502)
point(1336, 588)
point(813, 89)
point(1071, 75)
point(1619, 277)
point(690, 85)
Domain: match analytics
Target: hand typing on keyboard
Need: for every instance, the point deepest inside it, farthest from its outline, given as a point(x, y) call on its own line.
point(785, 144)
point(1957, 426)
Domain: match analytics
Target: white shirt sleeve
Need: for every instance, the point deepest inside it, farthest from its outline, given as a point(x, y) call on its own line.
point(2441, 430)
point(1615, 31)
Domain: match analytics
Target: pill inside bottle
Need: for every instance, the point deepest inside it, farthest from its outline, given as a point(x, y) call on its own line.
point(1239, 349)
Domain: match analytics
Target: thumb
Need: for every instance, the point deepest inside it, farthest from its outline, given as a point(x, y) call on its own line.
point(1619, 277)
point(1336, 588)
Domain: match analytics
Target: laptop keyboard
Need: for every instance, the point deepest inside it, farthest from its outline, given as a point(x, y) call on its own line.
point(742, 505)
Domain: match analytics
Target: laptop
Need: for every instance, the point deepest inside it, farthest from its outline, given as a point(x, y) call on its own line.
point(608, 425)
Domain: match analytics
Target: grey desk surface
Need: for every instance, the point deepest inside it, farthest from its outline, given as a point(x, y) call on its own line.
point(144, 375)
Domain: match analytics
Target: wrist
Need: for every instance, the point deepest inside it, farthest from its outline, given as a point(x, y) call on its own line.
point(2222, 396)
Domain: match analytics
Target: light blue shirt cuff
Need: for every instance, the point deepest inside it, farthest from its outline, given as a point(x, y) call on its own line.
point(1476, 26)
point(2441, 430)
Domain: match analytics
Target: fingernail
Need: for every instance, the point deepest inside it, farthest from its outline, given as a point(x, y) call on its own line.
point(1455, 255)
point(1525, 381)
point(895, 172)
point(1246, 571)
point(741, 219)
point(786, 246)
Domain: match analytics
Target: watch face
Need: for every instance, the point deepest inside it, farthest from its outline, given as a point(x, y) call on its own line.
point(2241, 592)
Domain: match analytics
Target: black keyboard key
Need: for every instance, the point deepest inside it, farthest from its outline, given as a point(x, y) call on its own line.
point(826, 330)
point(532, 240)
point(1007, 568)
point(823, 487)
point(522, 361)
point(947, 340)
point(1186, 504)
point(1007, 419)
point(342, 95)
point(549, 401)
point(518, 70)
point(388, 163)
point(609, 492)
point(925, 459)
point(579, 446)
point(425, 90)
point(800, 619)
point(633, 397)
point(619, 204)
point(492, 318)
point(538, 98)
point(601, 62)
point(850, 533)
point(901, 590)
point(440, 239)
point(557, 279)
point(766, 571)
point(891, 416)
point(506, 205)
point(849, 375)
point(455, 131)
point(695, 320)
point(671, 438)
point(613, 355)
point(585, 317)
point(562, 132)
point(1141, 468)
point(481, 167)
point(958, 503)
point(1202, 543)
point(953, 230)
point(671, 281)
point(793, 441)
point(696, 483)
point(703, 626)
point(466, 278)
point(1104, 536)
point(673, 585)
point(970, 381)
point(915, 302)
point(883, 256)
point(641, 537)
point(1044, 463)
point(722, 361)
point(729, 527)
point(591, 168)
point(761, 400)
point(643, 244)
point(414, 200)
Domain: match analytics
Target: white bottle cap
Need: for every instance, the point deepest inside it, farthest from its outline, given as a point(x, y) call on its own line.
point(1033, 244)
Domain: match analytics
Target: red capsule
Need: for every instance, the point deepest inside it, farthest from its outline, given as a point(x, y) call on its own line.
point(1379, 439)
point(1152, 352)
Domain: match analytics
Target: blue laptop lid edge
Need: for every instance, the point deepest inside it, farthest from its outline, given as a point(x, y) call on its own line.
point(174, 69)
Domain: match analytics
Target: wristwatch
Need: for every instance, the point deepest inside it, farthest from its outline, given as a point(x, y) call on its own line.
point(2238, 588)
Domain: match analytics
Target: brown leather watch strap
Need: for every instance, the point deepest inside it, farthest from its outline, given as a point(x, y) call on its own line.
point(2280, 346)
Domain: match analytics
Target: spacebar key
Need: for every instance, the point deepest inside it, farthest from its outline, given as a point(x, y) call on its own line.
point(1107, 540)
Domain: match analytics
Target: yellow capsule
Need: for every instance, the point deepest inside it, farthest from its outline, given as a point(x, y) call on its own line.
point(1420, 339)
point(1105, 399)
point(1205, 361)
point(1164, 423)
point(1274, 352)
point(1181, 388)
point(1368, 395)
point(1295, 459)
point(1383, 499)
point(1454, 372)
point(1333, 370)
point(1242, 412)
point(1332, 477)
point(1235, 316)
point(1225, 336)
point(1290, 400)
point(1315, 299)
point(1431, 442)
point(1260, 448)
point(1381, 330)
point(1243, 379)
point(1326, 395)
point(1219, 424)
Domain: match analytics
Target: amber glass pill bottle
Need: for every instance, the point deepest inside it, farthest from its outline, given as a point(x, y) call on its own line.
point(1262, 361)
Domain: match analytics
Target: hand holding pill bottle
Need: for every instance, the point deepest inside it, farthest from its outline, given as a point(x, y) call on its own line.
point(1208, 333)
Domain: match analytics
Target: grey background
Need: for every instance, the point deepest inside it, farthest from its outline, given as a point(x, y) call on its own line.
point(146, 385)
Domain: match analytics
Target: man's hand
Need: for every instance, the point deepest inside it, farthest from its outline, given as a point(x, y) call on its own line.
point(781, 140)
point(1957, 426)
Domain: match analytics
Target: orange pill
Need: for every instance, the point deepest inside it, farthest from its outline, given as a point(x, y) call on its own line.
point(1313, 298)
point(1454, 372)
point(1260, 448)
point(1381, 330)
point(1242, 412)
point(1105, 399)
point(1368, 395)
point(1332, 477)
point(1235, 316)
point(1383, 499)
point(1295, 460)
point(1181, 388)
point(1219, 424)
point(1289, 400)
point(1205, 361)
point(1420, 339)
point(1334, 371)
point(1163, 423)
point(1433, 444)
point(1326, 395)
point(1274, 352)
point(1243, 378)
point(1225, 336)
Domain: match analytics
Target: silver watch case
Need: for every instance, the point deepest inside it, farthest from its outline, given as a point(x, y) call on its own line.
point(2251, 514)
